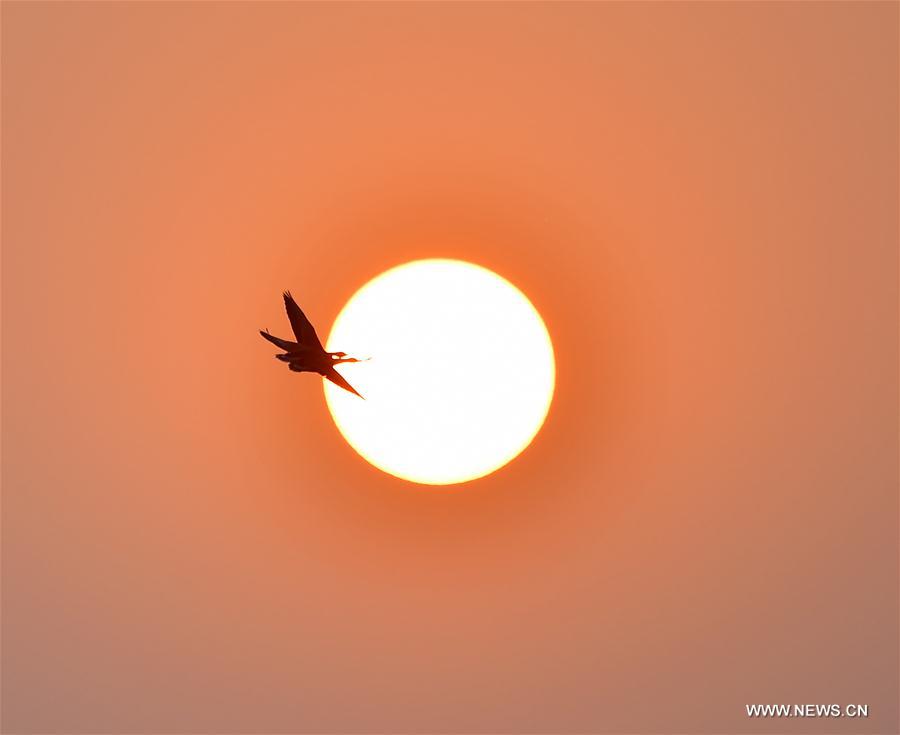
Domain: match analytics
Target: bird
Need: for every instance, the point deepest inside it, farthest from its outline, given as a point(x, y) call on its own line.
point(307, 355)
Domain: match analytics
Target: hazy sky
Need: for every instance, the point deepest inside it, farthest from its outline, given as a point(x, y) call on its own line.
point(700, 199)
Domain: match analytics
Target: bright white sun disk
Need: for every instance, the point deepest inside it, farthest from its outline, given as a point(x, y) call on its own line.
point(461, 374)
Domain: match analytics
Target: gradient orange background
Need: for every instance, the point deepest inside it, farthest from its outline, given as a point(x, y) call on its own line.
point(700, 199)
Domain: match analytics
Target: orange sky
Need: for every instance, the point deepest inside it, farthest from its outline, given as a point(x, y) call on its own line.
point(701, 201)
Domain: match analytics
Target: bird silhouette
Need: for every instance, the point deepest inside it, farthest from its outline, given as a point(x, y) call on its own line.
point(307, 355)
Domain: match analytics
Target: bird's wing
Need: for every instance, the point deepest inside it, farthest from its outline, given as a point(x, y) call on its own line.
point(304, 331)
point(335, 377)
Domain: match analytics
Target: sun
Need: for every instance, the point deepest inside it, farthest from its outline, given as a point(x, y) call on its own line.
point(461, 374)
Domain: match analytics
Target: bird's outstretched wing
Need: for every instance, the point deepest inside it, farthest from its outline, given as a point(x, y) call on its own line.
point(335, 377)
point(304, 331)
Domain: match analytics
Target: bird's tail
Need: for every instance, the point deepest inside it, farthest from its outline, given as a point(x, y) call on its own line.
point(278, 342)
